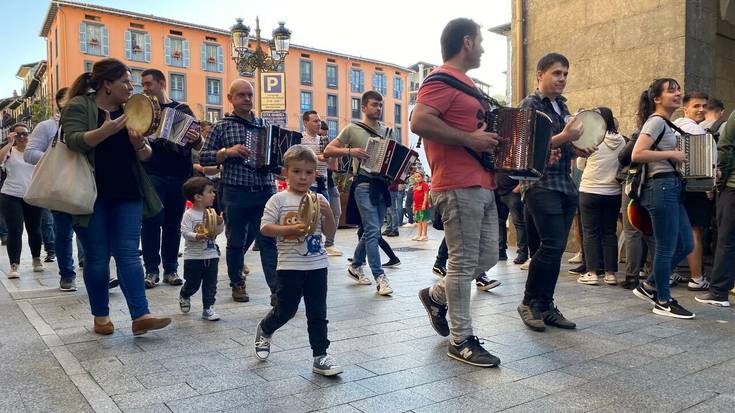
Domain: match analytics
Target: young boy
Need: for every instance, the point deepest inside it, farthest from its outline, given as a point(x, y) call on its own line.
point(420, 206)
point(302, 261)
point(201, 256)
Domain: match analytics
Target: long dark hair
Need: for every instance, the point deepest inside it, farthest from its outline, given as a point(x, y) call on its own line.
point(609, 119)
point(646, 105)
point(106, 69)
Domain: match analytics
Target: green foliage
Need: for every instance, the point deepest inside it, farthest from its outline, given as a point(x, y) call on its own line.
point(40, 110)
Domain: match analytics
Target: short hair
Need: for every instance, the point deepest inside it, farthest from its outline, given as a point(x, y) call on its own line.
point(324, 126)
point(549, 59)
point(204, 123)
point(19, 125)
point(694, 95)
point(452, 37)
point(371, 94)
point(308, 113)
point(158, 76)
point(299, 153)
point(715, 104)
point(60, 95)
point(195, 186)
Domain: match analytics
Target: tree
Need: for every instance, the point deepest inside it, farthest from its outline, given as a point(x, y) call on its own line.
point(40, 111)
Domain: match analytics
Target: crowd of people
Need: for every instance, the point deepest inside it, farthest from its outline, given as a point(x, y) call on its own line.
point(144, 184)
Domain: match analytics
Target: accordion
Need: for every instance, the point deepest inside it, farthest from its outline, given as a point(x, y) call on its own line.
point(388, 159)
point(699, 170)
point(524, 152)
point(175, 125)
point(267, 144)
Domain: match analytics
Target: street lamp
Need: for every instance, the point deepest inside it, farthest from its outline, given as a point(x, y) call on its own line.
point(256, 60)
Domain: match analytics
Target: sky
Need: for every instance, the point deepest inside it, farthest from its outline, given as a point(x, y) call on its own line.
point(400, 32)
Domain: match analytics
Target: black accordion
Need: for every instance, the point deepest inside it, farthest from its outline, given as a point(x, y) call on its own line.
point(267, 145)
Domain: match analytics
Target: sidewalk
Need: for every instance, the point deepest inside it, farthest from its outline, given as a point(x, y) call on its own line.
point(622, 358)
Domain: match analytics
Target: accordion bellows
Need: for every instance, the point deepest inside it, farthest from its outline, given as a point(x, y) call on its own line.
point(524, 152)
point(699, 170)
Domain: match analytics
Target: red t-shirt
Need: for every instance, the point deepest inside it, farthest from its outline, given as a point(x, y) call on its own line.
point(452, 167)
point(420, 190)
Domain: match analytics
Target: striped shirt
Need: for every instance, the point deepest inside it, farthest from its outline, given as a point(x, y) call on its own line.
point(294, 252)
point(317, 144)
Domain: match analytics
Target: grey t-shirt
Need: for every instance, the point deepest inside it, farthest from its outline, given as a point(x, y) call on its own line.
point(354, 136)
point(653, 127)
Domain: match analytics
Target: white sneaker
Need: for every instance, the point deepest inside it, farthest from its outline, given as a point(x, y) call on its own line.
point(326, 366)
point(526, 264)
point(384, 285)
point(14, 273)
point(37, 265)
point(610, 279)
point(577, 259)
point(356, 274)
point(333, 251)
point(589, 279)
point(210, 314)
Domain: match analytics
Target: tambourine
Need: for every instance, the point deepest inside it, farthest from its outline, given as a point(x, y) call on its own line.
point(309, 212)
point(144, 114)
point(594, 128)
point(209, 221)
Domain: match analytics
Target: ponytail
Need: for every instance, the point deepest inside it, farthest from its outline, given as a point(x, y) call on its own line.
point(80, 87)
point(647, 104)
point(104, 70)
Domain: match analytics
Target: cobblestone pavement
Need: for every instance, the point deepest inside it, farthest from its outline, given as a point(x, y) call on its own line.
point(622, 358)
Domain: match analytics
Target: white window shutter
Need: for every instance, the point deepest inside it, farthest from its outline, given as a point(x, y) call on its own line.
point(83, 37)
point(128, 45)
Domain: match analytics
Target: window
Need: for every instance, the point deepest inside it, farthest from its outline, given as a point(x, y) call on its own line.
point(88, 65)
point(305, 101)
point(137, 46)
point(93, 39)
point(397, 134)
point(379, 83)
point(397, 115)
point(332, 105)
point(333, 127)
point(214, 91)
point(178, 87)
point(214, 114)
point(397, 88)
point(56, 42)
point(355, 107)
point(357, 80)
point(332, 76)
point(213, 57)
point(305, 66)
point(136, 76)
point(177, 52)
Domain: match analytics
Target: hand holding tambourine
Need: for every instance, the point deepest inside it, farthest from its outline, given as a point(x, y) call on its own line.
point(210, 220)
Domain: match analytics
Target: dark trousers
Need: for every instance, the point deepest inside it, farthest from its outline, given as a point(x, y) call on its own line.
point(408, 206)
point(722, 272)
point(47, 232)
point(549, 218)
point(515, 206)
point(599, 215)
point(204, 273)
point(292, 285)
point(442, 255)
point(17, 212)
point(161, 234)
point(503, 213)
point(381, 242)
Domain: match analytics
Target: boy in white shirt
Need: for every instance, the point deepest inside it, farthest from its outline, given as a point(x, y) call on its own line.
point(302, 260)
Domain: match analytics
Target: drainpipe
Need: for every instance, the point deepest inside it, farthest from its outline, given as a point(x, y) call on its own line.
point(519, 51)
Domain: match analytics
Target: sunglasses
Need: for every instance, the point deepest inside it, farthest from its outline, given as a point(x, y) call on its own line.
point(21, 134)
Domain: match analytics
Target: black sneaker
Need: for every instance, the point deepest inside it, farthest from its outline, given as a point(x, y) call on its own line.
point(502, 256)
point(485, 283)
point(630, 283)
point(554, 317)
point(437, 313)
point(712, 299)
point(645, 292)
point(471, 352)
point(439, 270)
point(114, 283)
point(520, 259)
point(50, 257)
point(392, 234)
point(578, 270)
point(393, 262)
point(531, 318)
point(672, 309)
point(262, 344)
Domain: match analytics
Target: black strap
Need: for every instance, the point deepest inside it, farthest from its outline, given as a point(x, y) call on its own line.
point(661, 136)
point(367, 128)
point(715, 129)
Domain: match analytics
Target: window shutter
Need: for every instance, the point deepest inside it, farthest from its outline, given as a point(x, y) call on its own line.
point(128, 45)
point(203, 58)
point(147, 47)
point(185, 46)
point(220, 59)
point(105, 42)
point(83, 37)
point(167, 50)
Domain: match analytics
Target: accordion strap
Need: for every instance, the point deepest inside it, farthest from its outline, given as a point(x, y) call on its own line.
point(367, 128)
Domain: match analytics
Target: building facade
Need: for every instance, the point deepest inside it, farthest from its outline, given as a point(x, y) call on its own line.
point(197, 61)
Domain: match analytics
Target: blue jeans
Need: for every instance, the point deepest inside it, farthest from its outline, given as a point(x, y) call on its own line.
point(336, 204)
point(672, 232)
point(47, 231)
point(400, 196)
point(114, 231)
point(244, 210)
point(162, 232)
point(408, 206)
point(393, 218)
point(372, 219)
point(63, 235)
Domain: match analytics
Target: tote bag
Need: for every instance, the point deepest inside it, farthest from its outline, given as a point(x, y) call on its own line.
point(63, 180)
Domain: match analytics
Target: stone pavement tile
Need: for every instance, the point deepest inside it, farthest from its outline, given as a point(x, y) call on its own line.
point(666, 399)
point(276, 389)
point(351, 372)
point(633, 338)
point(591, 370)
point(464, 404)
point(720, 404)
point(288, 404)
point(169, 377)
point(334, 395)
point(536, 365)
point(153, 396)
point(227, 399)
point(444, 369)
point(506, 395)
point(342, 408)
point(398, 401)
point(449, 388)
point(713, 379)
point(117, 386)
point(551, 382)
point(391, 364)
point(206, 359)
point(11, 401)
point(224, 381)
point(492, 377)
point(568, 401)
point(660, 331)
point(153, 408)
point(386, 327)
point(394, 381)
point(656, 350)
point(626, 359)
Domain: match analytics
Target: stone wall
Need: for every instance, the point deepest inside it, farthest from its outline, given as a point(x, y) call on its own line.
point(724, 65)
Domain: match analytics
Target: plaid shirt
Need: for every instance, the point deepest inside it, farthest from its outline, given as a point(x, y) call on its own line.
point(556, 177)
point(225, 134)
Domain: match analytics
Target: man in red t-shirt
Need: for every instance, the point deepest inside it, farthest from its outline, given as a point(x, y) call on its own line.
point(449, 121)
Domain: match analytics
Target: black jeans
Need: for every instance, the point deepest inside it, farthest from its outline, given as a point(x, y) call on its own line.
point(722, 271)
point(442, 255)
point(292, 285)
point(549, 217)
point(503, 213)
point(204, 273)
point(515, 205)
point(160, 235)
point(16, 212)
point(599, 215)
point(381, 242)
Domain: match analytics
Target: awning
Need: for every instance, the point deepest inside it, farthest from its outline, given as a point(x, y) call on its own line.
point(15, 104)
point(5, 102)
point(32, 88)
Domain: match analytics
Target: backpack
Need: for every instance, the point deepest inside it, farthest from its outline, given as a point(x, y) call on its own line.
point(715, 129)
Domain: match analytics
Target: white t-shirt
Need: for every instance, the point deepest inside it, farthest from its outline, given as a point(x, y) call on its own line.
point(315, 143)
point(294, 253)
point(19, 174)
point(197, 249)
